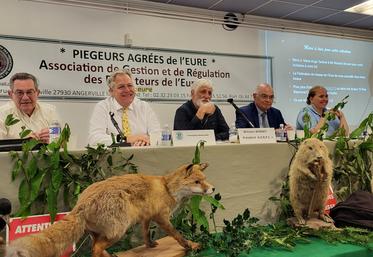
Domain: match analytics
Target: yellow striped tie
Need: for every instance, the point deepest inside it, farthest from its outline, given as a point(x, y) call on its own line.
point(125, 123)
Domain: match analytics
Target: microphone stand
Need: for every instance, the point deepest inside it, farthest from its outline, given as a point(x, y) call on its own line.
point(121, 138)
point(230, 100)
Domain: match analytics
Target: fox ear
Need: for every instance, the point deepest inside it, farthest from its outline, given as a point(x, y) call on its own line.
point(188, 170)
point(203, 166)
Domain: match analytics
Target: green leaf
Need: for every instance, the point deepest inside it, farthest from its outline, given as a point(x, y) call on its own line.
point(52, 203)
point(195, 201)
point(65, 133)
point(25, 132)
point(29, 145)
point(24, 193)
point(54, 160)
point(362, 127)
point(56, 179)
point(202, 220)
point(340, 146)
point(197, 153)
point(10, 120)
point(36, 184)
point(18, 165)
point(31, 168)
point(213, 201)
point(366, 146)
point(246, 214)
point(53, 146)
point(357, 132)
point(340, 104)
point(77, 189)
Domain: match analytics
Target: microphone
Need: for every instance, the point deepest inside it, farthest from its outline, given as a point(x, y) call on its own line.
point(121, 136)
point(5, 210)
point(230, 100)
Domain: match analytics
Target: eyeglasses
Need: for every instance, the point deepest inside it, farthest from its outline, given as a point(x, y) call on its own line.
point(20, 93)
point(267, 97)
point(123, 87)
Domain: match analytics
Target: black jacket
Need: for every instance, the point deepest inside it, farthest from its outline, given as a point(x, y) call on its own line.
point(186, 119)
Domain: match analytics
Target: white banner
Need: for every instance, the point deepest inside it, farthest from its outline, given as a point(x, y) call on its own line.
point(79, 70)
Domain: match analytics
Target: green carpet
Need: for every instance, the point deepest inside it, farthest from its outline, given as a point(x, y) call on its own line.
point(317, 248)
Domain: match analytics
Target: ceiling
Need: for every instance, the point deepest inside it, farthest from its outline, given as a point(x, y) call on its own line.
point(329, 12)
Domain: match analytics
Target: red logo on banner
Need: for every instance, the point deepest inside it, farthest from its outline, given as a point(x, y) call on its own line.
point(330, 201)
point(19, 227)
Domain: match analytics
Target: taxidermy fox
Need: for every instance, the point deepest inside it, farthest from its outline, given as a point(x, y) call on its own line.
point(106, 209)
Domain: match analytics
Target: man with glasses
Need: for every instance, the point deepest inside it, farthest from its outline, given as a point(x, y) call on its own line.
point(261, 113)
point(134, 117)
point(24, 92)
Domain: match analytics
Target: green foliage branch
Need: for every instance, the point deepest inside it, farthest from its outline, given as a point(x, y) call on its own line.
point(51, 170)
point(245, 233)
point(353, 160)
point(191, 217)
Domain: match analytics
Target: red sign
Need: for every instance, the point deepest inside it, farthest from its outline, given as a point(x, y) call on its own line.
point(330, 201)
point(19, 227)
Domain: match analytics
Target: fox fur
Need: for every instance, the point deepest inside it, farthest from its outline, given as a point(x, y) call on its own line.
point(310, 176)
point(2, 247)
point(106, 209)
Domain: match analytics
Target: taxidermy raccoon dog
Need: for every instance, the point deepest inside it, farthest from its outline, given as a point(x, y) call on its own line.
point(310, 176)
point(106, 209)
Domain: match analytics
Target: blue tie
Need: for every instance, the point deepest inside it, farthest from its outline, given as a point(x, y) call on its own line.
point(264, 120)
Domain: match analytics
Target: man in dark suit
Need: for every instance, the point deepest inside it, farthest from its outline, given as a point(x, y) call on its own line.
point(200, 112)
point(261, 113)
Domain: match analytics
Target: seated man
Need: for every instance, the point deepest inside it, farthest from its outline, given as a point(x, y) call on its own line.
point(261, 113)
point(37, 117)
point(200, 112)
point(135, 117)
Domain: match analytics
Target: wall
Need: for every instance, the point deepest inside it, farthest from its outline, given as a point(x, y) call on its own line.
point(30, 19)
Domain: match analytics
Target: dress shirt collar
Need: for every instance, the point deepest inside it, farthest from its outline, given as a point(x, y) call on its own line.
point(118, 107)
point(260, 111)
point(21, 113)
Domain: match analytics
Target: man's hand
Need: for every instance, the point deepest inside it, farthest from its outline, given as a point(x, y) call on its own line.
point(288, 127)
point(42, 135)
point(138, 140)
point(205, 108)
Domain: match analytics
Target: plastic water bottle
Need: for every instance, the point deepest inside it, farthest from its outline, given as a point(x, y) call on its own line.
point(166, 136)
point(281, 134)
point(233, 133)
point(54, 131)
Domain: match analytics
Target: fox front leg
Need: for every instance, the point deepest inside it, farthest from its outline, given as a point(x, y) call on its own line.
point(146, 234)
point(166, 225)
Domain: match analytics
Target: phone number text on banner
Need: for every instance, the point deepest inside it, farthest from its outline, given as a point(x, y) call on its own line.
point(79, 70)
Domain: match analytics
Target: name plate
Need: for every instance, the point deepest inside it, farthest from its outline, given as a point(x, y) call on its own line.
point(191, 137)
point(257, 135)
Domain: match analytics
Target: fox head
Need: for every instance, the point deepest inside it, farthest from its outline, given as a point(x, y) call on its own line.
point(190, 180)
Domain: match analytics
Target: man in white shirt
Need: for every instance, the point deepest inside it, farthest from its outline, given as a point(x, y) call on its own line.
point(141, 119)
point(24, 92)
